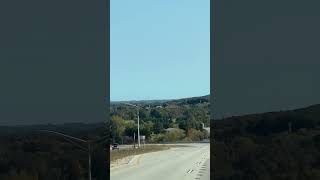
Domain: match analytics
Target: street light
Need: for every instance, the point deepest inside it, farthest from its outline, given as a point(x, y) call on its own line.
point(138, 121)
point(80, 140)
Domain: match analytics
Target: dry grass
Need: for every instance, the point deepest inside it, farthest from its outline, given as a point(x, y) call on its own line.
point(122, 153)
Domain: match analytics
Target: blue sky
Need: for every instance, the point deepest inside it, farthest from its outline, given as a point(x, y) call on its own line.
point(159, 49)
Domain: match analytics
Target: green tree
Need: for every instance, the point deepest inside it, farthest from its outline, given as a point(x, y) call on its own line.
point(155, 113)
point(117, 128)
point(174, 135)
point(195, 135)
point(155, 138)
point(147, 128)
point(158, 127)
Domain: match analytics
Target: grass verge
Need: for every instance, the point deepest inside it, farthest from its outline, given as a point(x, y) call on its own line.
point(122, 153)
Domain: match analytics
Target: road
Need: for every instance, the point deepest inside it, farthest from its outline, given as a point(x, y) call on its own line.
point(125, 146)
point(191, 162)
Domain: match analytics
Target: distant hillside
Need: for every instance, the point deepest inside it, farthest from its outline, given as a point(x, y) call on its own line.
point(75, 129)
point(313, 110)
point(272, 122)
point(140, 102)
point(189, 100)
point(275, 145)
point(192, 100)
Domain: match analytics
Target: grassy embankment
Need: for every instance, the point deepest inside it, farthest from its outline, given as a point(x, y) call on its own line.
point(122, 153)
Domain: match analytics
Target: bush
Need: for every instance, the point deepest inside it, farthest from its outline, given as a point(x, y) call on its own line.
point(174, 135)
point(195, 135)
point(155, 138)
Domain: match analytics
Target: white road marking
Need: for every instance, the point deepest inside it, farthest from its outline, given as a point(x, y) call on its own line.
point(190, 171)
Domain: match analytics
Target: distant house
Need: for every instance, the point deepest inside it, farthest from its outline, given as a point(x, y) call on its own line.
point(206, 128)
point(172, 129)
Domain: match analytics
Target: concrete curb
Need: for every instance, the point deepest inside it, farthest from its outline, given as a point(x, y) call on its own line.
point(130, 161)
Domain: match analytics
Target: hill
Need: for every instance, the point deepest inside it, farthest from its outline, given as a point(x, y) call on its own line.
point(165, 101)
point(271, 122)
point(273, 145)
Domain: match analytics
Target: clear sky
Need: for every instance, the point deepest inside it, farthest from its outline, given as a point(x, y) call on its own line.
point(160, 49)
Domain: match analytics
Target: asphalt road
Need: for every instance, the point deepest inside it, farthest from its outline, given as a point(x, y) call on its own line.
point(125, 146)
point(181, 163)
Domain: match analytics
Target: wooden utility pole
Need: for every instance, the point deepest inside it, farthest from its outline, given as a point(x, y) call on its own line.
point(134, 139)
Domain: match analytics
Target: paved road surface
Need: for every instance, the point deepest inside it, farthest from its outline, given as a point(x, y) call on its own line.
point(182, 163)
point(125, 146)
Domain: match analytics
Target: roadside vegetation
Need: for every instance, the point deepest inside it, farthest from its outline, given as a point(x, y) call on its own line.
point(122, 153)
point(26, 154)
point(163, 121)
point(277, 145)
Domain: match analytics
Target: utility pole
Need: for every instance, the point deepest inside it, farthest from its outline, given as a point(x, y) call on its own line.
point(134, 139)
point(138, 129)
point(138, 121)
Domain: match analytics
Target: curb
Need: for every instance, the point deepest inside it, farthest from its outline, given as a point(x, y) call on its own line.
point(130, 161)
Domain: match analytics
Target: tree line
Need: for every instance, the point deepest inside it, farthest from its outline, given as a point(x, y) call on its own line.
point(27, 154)
point(166, 122)
point(269, 146)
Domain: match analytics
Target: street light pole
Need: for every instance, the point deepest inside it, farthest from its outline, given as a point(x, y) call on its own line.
point(138, 121)
point(78, 139)
point(138, 128)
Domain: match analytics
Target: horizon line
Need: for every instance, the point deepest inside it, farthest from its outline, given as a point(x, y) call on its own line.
point(163, 99)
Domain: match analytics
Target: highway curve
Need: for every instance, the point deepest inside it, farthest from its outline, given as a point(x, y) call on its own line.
point(191, 162)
